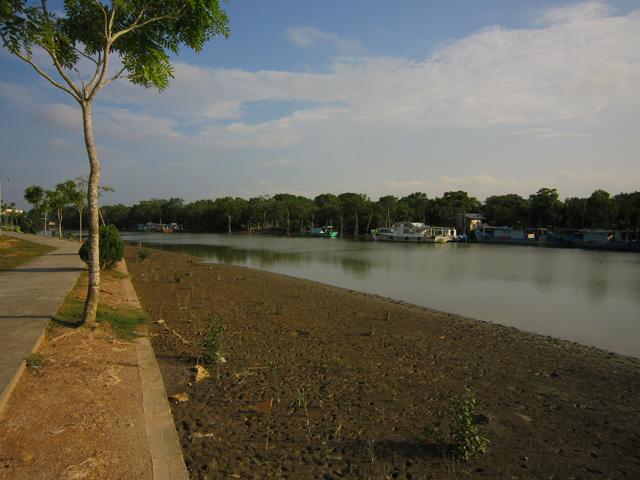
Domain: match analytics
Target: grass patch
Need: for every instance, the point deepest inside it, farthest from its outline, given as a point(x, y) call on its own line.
point(34, 360)
point(116, 274)
point(123, 321)
point(16, 251)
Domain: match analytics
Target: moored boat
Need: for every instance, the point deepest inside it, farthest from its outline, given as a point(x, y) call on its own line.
point(326, 231)
point(414, 232)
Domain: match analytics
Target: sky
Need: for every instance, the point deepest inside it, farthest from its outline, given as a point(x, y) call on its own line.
point(369, 96)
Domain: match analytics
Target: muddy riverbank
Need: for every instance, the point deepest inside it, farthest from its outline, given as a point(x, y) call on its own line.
point(354, 378)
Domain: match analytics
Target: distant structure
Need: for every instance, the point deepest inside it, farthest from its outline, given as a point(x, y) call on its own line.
point(467, 222)
point(158, 227)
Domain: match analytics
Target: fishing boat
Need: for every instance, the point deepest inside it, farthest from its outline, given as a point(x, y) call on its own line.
point(414, 232)
point(326, 231)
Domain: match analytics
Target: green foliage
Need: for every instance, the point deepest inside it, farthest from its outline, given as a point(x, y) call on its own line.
point(111, 247)
point(34, 360)
point(123, 321)
point(213, 340)
point(464, 437)
point(143, 253)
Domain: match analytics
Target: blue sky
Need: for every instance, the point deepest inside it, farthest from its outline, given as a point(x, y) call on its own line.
point(369, 96)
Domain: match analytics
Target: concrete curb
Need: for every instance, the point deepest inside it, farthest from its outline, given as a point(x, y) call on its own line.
point(162, 438)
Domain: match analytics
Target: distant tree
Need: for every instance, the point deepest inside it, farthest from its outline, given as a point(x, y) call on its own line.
point(353, 206)
point(328, 208)
point(575, 210)
point(139, 32)
point(34, 195)
point(546, 208)
point(418, 203)
point(452, 204)
point(601, 210)
point(628, 205)
point(510, 209)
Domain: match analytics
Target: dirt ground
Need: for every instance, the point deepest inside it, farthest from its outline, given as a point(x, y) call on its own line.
point(354, 378)
point(79, 414)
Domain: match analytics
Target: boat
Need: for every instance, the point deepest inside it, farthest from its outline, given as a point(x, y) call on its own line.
point(414, 232)
point(597, 239)
point(326, 231)
point(510, 235)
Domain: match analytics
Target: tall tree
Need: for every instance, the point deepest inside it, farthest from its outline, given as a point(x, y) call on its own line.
point(546, 208)
point(139, 32)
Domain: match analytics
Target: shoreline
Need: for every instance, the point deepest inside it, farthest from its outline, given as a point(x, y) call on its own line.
point(368, 363)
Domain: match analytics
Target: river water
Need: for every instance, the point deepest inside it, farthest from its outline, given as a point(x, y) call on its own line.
point(586, 296)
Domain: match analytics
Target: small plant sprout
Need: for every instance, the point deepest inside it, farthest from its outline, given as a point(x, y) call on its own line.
point(371, 449)
point(465, 439)
point(304, 404)
point(213, 340)
point(371, 330)
point(34, 360)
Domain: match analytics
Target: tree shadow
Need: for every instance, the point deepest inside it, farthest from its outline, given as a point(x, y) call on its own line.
point(67, 323)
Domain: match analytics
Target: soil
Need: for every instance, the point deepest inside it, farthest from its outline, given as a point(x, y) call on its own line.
point(354, 378)
point(78, 415)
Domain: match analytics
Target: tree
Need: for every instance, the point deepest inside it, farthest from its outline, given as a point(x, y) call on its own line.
point(601, 210)
point(34, 195)
point(546, 208)
point(139, 32)
point(510, 209)
point(353, 204)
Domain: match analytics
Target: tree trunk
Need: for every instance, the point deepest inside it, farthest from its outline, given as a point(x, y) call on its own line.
point(45, 224)
point(368, 223)
point(80, 225)
point(341, 226)
point(93, 290)
point(229, 224)
point(60, 224)
point(356, 232)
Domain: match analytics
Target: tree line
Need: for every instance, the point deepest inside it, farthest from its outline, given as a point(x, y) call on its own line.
point(356, 213)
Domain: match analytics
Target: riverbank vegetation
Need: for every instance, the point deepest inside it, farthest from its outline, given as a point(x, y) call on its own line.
point(356, 213)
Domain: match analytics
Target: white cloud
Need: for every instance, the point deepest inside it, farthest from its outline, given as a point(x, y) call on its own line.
point(575, 12)
point(305, 37)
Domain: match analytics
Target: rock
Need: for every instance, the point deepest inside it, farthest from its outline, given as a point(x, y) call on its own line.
point(201, 373)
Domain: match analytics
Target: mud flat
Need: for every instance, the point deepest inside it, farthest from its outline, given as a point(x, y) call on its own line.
point(354, 378)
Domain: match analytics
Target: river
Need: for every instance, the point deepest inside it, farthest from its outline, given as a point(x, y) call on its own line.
point(589, 297)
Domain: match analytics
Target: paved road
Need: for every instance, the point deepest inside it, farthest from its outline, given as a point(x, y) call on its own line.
point(29, 296)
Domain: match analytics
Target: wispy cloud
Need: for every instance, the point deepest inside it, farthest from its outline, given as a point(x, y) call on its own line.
point(305, 37)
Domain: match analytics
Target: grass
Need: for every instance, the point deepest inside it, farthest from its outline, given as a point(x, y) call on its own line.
point(34, 360)
point(16, 251)
point(124, 322)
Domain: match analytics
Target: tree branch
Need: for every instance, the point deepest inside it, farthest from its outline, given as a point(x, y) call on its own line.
point(88, 57)
point(115, 77)
point(136, 25)
point(27, 58)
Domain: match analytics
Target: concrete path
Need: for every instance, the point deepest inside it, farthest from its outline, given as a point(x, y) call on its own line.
point(29, 296)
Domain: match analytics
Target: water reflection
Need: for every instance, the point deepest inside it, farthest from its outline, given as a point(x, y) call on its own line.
point(585, 296)
point(267, 259)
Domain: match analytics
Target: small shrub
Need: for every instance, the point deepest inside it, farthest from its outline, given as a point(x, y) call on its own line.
point(143, 254)
point(465, 439)
point(213, 340)
point(34, 360)
point(111, 247)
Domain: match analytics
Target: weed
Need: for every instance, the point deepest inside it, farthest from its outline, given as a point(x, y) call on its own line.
point(387, 316)
point(394, 387)
point(143, 254)
point(34, 360)
point(277, 381)
point(213, 340)
point(371, 449)
point(279, 309)
point(304, 404)
point(371, 331)
point(465, 438)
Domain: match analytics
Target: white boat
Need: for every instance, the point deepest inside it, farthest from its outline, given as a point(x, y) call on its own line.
point(414, 232)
